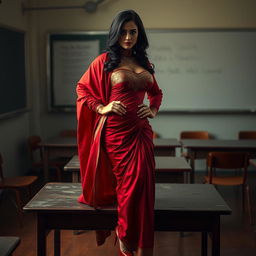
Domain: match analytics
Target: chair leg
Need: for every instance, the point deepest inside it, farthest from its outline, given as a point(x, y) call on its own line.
point(30, 192)
point(19, 206)
point(58, 170)
point(243, 197)
point(247, 194)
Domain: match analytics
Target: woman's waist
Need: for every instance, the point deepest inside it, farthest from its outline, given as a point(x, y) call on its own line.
point(129, 118)
point(130, 100)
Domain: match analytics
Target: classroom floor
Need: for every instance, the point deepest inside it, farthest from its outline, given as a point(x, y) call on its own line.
point(238, 237)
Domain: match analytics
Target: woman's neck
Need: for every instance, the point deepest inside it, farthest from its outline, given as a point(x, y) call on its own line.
point(126, 53)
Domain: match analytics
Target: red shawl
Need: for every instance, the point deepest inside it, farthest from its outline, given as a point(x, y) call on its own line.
point(98, 181)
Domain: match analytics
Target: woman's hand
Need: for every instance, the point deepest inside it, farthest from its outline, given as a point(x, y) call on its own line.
point(146, 111)
point(114, 106)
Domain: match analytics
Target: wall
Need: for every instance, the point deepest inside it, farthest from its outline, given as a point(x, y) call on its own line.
point(158, 14)
point(14, 130)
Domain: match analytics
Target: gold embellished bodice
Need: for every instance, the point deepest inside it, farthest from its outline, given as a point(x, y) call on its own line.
point(133, 80)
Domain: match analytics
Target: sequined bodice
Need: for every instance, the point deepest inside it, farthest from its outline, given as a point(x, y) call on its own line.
point(130, 88)
point(135, 81)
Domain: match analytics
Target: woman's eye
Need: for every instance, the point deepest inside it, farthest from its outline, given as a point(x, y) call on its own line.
point(133, 32)
point(123, 32)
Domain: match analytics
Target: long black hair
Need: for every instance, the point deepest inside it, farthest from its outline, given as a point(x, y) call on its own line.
point(114, 49)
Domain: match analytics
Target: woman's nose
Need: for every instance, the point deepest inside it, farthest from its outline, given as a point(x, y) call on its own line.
point(127, 36)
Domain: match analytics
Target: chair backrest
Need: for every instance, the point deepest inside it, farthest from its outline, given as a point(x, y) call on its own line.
point(68, 133)
point(243, 135)
point(33, 145)
point(1, 168)
point(202, 135)
point(155, 135)
point(228, 160)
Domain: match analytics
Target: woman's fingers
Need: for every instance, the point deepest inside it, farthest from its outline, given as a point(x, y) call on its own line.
point(143, 108)
point(144, 111)
point(119, 102)
point(118, 110)
point(144, 114)
point(118, 107)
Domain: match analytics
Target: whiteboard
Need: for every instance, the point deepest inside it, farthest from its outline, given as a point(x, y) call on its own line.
point(69, 56)
point(70, 59)
point(199, 70)
point(210, 70)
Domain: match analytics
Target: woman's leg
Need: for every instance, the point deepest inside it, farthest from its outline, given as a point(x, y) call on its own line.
point(144, 252)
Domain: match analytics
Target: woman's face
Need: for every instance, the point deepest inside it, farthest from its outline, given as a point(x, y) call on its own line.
point(129, 35)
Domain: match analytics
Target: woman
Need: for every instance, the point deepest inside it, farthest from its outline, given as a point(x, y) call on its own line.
point(114, 135)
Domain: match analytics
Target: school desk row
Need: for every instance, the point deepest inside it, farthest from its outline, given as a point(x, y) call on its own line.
point(67, 146)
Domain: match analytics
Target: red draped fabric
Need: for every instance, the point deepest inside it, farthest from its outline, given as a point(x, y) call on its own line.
point(116, 153)
point(94, 89)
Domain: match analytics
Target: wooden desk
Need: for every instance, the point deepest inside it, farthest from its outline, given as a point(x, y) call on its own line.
point(178, 207)
point(195, 146)
point(8, 244)
point(73, 166)
point(67, 147)
point(58, 146)
point(164, 164)
point(166, 147)
point(253, 162)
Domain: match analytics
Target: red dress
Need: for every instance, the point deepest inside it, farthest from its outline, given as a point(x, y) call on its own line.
point(120, 157)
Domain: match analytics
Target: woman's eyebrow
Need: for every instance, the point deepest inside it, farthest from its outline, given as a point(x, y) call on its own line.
point(129, 29)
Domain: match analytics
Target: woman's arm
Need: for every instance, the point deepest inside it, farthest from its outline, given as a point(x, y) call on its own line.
point(114, 106)
point(155, 96)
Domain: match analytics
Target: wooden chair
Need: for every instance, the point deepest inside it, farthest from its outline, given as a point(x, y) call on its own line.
point(16, 184)
point(230, 161)
point(36, 156)
point(68, 133)
point(247, 135)
point(200, 135)
point(155, 135)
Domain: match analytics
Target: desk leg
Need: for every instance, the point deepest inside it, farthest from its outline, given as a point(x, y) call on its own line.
point(204, 244)
point(41, 236)
point(216, 237)
point(75, 177)
point(46, 163)
point(56, 242)
point(192, 163)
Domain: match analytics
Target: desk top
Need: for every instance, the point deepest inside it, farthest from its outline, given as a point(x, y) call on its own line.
point(162, 142)
point(163, 163)
point(172, 163)
point(59, 142)
point(219, 144)
point(73, 164)
point(72, 142)
point(8, 244)
point(54, 197)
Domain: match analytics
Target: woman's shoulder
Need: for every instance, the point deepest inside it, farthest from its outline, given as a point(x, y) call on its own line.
point(101, 58)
